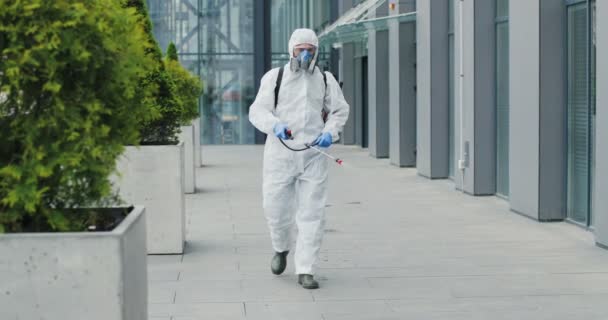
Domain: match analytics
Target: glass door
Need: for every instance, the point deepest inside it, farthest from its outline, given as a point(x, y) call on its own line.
point(451, 96)
point(502, 98)
point(592, 104)
point(364, 105)
point(580, 105)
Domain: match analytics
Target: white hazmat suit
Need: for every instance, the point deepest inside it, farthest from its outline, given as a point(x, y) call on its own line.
point(295, 183)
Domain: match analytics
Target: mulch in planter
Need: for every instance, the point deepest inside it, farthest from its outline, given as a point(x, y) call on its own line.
point(83, 219)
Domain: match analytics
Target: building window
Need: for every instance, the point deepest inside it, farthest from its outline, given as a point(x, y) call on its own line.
point(451, 96)
point(502, 98)
point(214, 40)
point(581, 110)
point(288, 15)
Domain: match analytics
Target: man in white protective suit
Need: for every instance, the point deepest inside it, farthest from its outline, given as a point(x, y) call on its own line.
point(309, 110)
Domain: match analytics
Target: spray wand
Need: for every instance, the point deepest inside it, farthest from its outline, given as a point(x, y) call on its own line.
point(336, 160)
point(310, 146)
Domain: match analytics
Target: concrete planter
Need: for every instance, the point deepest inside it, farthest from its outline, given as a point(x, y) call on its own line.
point(76, 275)
point(187, 137)
point(153, 176)
point(198, 157)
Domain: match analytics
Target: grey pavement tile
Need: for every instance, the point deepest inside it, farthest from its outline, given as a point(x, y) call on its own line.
point(159, 294)
point(199, 310)
point(223, 259)
point(279, 289)
point(397, 246)
point(529, 285)
point(216, 291)
point(524, 307)
point(341, 289)
point(260, 263)
point(194, 273)
point(204, 295)
point(257, 226)
point(154, 260)
point(194, 233)
point(163, 275)
point(283, 310)
point(210, 244)
point(205, 317)
point(354, 308)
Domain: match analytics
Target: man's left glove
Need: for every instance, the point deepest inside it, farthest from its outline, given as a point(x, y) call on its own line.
point(324, 140)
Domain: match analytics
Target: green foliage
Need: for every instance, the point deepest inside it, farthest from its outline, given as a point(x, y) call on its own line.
point(70, 72)
point(164, 128)
point(172, 52)
point(187, 88)
point(162, 93)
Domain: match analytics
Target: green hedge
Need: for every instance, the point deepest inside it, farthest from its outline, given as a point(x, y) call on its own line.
point(70, 79)
point(188, 87)
point(167, 83)
point(172, 52)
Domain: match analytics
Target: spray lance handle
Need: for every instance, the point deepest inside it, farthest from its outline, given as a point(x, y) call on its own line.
point(313, 147)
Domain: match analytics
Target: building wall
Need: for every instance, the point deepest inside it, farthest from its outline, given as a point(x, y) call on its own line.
point(552, 112)
point(378, 69)
point(524, 41)
point(537, 146)
point(477, 147)
point(601, 169)
point(484, 117)
point(402, 90)
point(402, 93)
point(432, 88)
point(537, 52)
point(348, 89)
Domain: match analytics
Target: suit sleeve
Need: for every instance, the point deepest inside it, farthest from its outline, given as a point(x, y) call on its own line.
point(336, 106)
point(261, 112)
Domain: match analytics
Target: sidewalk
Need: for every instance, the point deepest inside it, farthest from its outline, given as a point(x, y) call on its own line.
point(397, 246)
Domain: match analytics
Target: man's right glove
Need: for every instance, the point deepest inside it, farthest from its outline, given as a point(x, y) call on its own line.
point(280, 130)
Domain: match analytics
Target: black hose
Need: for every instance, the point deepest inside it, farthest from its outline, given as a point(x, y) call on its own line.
point(296, 150)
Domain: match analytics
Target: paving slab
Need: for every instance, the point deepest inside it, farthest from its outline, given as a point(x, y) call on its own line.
point(397, 246)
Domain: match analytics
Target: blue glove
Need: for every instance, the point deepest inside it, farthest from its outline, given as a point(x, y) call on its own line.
point(324, 140)
point(280, 130)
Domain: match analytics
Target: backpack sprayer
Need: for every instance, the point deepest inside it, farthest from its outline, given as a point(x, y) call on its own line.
point(310, 146)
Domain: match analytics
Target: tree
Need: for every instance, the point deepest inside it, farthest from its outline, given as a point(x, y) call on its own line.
point(172, 52)
point(158, 89)
point(70, 72)
point(187, 88)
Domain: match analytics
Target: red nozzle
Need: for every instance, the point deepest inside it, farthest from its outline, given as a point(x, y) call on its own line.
point(339, 161)
point(288, 133)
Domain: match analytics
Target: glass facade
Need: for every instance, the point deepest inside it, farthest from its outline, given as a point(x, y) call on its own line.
point(226, 50)
point(581, 105)
point(592, 71)
point(162, 14)
point(214, 40)
point(502, 98)
point(288, 15)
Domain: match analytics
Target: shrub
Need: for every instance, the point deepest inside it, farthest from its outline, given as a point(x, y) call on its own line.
point(160, 91)
point(172, 52)
point(187, 86)
point(69, 77)
point(164, 128)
